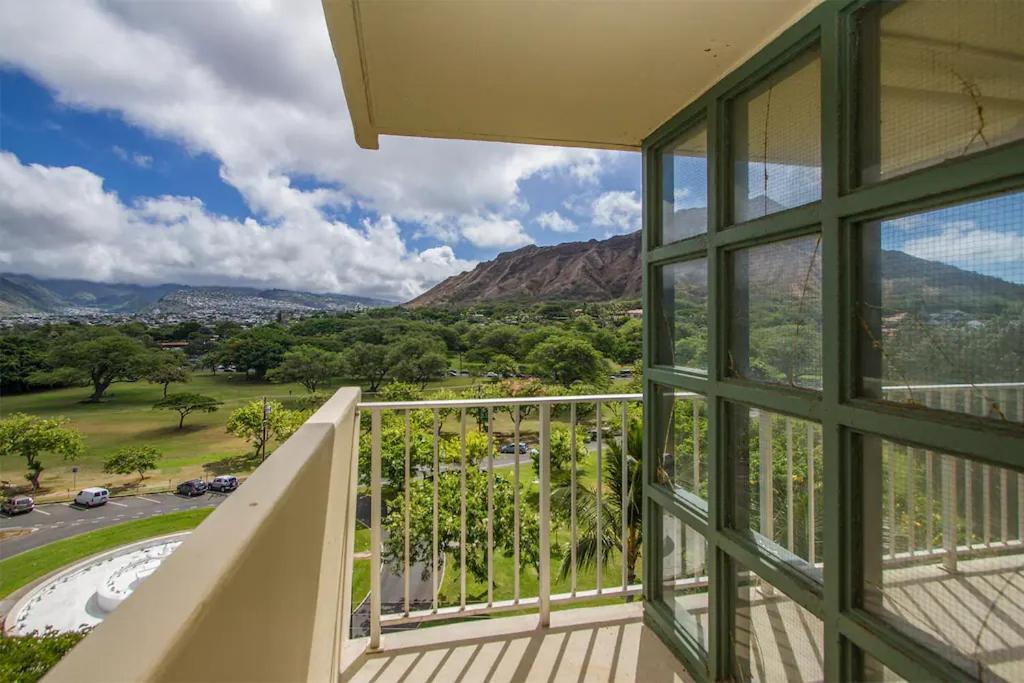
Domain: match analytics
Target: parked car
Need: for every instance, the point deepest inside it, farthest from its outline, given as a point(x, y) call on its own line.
point(192, 487)
point(511, 448)
point(92, 496)
point(18, 504)
point(225, 483)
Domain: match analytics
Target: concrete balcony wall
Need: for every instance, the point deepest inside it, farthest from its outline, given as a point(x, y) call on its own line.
point(258, 591)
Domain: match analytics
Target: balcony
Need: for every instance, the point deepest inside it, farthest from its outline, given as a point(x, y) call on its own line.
point(261, 590)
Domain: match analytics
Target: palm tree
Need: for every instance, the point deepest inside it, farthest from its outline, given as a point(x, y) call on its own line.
point(587, 533)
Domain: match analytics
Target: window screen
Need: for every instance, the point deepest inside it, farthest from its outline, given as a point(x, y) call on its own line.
point(684, 171)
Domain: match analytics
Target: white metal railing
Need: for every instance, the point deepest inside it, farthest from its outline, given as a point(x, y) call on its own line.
point(909, 535)
point(544, 599)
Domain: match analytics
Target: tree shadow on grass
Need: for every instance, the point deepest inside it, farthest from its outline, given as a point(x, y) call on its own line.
point(233, 464)
point(170, 431)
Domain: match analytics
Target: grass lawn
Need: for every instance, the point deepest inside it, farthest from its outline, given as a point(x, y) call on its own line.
point(362, 538)
point(360, 582)
point(25, 567)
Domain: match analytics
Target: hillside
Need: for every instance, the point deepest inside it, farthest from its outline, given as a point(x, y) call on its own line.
point(597, 270)
point(602, 270)
point(28, 294)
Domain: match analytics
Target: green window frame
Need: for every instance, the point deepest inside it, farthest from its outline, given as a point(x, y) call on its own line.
point(851, 634)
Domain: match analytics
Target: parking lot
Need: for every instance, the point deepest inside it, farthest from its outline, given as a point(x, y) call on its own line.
point(52, 522)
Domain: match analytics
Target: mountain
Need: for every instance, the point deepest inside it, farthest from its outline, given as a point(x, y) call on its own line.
point(21, 294)
point(597, 270)
point(601, 270)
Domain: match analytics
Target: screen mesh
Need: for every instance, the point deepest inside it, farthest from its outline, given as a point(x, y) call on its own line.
point(939, 80)
point(941, 311)
point(776, 141)
point(943, 560)
point(683, 333)
point(684, 169)
point(775, 307)
point(776, 464)
point(775, 639)
point(684, 576)
point(683, 444)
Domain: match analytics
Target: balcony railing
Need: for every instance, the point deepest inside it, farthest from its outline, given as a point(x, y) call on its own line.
point(261, 589)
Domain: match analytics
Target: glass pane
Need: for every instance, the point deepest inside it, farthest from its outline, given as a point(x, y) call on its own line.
point(684, 171)
point(683, 334)
point(775, 639)
point(776, 313)
point(943, 560)
point(776, 467)
point(941, 311)
point(684, 576)
point(776, 141)
point(682, 440)
point(950, 82)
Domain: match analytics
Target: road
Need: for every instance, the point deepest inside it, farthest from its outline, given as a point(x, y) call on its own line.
point(56, 521)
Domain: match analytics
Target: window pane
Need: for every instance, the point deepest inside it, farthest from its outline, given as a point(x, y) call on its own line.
point(941, 311)
point(943, 560)
point(683, 330)
point(682, 440)
point(684, 576)
point(776, 313)
point(950, 85)
point(684, 203)
point(776, 467)
point(775, 639)
point(776, 141)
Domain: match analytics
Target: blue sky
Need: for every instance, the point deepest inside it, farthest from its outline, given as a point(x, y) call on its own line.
point(161, 144)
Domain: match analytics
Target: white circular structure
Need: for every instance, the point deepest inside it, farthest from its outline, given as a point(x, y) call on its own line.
point(84, 593)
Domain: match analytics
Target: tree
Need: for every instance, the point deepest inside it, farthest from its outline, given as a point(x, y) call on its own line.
point(258, 349)
point(168, 366)
point(566, 360)
point(30, 437)
point(418, 359)
point(609, 535)
point(369, 363)
point(103, 357)
point(503, 365)
point(27, 658)
point(560, 450)
point(185, 404)
point(132, 459)
point(308, 365)
point(247, 423)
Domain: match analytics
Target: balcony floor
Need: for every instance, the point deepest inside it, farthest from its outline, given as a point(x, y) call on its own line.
point(587, 644)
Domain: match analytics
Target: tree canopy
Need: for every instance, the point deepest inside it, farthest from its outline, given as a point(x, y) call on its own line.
point(247, 423)
point(30, 437)
point(186, 404)
point(132, 459)
point(308, 365)
point(566, 360)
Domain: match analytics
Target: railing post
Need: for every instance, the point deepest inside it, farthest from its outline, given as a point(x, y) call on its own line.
point(545, 514)
point(375, 530)
point(948, 494)
point(624, 503)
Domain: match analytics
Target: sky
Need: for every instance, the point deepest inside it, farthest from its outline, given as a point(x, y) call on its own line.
point(209, 143)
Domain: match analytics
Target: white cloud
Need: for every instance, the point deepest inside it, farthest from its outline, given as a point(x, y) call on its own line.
point(60, 222)
point(618, 210)
point(965, 245)
point(495, 232)
point(140, 160)
point(556, 222)
point(256, 86)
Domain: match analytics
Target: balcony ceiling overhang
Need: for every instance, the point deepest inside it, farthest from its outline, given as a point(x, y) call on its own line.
point(581, 73)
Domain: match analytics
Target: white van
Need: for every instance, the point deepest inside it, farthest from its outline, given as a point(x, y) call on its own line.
point(91, 497)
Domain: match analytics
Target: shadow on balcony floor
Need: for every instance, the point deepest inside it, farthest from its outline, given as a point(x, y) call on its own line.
point(592, 644)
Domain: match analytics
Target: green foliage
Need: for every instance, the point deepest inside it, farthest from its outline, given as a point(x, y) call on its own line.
point(560, 453)
point(566, 360)
point(29, 437)
point(102, 356)
point(400, 391)
point(421, 528)
point(308, 365)
point(503, 365)
point(168, 367)
point(247, 423)
point(27, 658)
point(132, 459)
point(417, 360)
point(185, 404)
point(367, 362)
point(257, 349)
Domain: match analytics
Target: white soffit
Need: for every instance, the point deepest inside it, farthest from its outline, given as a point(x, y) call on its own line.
point(585, 73)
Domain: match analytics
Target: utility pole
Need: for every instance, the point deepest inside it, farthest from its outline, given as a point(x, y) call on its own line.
point(266, 416)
